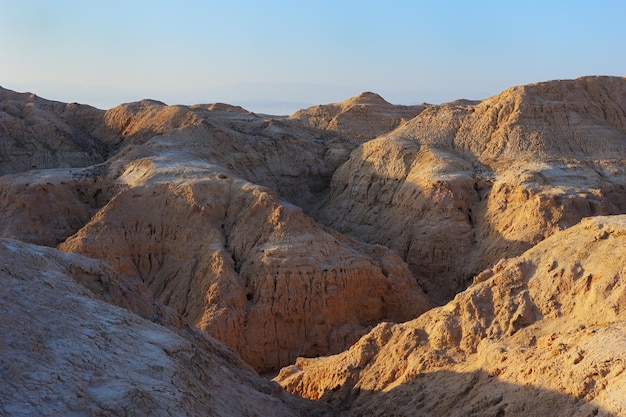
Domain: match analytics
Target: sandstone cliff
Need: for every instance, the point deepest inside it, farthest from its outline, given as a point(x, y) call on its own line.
point(65, 352)
point(543, 330)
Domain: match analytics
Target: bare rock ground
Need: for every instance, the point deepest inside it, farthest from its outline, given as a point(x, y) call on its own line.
point(461, 186)
point(286, 237)
point(543, 330)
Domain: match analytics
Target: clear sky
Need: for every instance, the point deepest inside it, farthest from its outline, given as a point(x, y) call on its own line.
point(277, 56)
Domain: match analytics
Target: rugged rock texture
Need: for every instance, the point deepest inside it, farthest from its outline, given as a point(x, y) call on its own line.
point(249, 268)
point(213, 210)
point(543, 330)
point(46, 206)
point(65, 352)
point(38, 133)
point(363, 117)
point(234, 258)
point(461, 186)
point(582, 118)
point(295, 160)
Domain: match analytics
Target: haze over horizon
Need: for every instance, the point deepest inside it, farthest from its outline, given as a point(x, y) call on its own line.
point(279, 56)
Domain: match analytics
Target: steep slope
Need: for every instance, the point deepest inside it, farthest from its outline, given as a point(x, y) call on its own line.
point(541, 330)
point(363, 117)
point(46, 206)
point(249, 268)
point(461, 186)
point(65, 352)
point(38, 133)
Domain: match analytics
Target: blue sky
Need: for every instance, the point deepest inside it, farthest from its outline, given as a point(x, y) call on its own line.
point(278, 56)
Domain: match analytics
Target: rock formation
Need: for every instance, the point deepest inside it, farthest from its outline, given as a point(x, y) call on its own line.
point(249, 268)
point(363, 117)
point(66, 352)
point(38, 133)
point(328, 232)
point(459, 187)
point(174, 208)
point(543, 330)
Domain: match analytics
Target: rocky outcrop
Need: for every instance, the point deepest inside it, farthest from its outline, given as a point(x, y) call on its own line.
point(531, 332)
point(44, 207)
point(37, 133)
point(416, 202)
point(172, 209)
point(461, 186)
point(214, 211)
point(286, 156)
point(582, 118)
point(247, 267)
point(64, 351)
point(361, 118)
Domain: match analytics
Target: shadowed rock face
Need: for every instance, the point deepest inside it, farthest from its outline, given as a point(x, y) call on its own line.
point(287, 237)
point(38, 134)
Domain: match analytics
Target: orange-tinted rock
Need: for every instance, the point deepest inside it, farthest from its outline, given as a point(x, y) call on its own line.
point(460, 187)
point(252, 270)
point(532, 331)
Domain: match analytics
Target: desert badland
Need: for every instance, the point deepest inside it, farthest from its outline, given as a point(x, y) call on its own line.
point(353, 259)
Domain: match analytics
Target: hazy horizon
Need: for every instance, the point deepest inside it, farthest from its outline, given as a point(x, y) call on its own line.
point(278, 56)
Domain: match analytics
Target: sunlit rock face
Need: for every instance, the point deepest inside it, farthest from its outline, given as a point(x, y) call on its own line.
point(463, 185)
point(184, 229)
point(544, 328)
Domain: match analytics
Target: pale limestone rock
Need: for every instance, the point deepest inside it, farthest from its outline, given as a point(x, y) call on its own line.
point(65, 352)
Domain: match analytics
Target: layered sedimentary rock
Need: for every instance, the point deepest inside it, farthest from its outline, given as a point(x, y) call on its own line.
point(214, 211)
point(543, 330)
point(249, 268)
point(64, 351)
point(461, 186)
point(363, 117)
